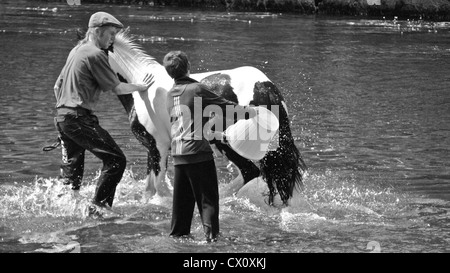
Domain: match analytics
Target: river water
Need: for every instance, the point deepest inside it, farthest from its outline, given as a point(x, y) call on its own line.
point(369, 102)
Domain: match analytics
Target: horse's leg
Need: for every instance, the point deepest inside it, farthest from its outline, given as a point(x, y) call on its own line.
point(232, 187)
point(159, 179)
point(153, 155)
point(247, 168)
point(149, 123)
point(145, 138)
point(155, 119)
point(157, 158)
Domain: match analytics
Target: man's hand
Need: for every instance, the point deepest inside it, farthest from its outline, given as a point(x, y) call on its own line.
point(148, 81)
point(124, 88)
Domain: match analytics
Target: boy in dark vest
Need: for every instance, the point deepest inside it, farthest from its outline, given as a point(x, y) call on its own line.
point(195, 177)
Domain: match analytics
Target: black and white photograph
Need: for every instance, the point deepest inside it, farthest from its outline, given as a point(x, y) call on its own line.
point(241, 128)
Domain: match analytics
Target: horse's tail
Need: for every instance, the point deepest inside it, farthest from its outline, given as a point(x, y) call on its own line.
point(282, 168)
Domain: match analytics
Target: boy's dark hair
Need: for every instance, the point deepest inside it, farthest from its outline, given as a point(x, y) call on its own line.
point(176, 64)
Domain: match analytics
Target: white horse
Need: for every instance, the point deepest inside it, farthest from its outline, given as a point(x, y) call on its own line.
point(282, 169)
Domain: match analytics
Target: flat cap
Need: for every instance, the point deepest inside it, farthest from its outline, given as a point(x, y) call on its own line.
point(101, 18)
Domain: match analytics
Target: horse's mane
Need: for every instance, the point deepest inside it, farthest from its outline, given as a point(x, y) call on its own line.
point(130, 56)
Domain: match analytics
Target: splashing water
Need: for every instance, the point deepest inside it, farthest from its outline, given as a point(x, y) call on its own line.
point(46, 197)
point(50, 197)
point(344, 197)
point(47, 216)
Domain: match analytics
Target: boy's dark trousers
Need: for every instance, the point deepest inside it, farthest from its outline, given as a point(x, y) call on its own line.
point(195, 183)
point(79, 131)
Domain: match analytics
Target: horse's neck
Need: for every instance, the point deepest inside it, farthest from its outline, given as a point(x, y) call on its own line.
point(127, 102)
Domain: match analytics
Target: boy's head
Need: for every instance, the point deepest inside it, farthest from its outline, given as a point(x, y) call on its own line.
point(177, 64)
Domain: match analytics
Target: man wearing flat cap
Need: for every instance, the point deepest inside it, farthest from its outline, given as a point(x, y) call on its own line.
point(85, 75)
point(101, 18)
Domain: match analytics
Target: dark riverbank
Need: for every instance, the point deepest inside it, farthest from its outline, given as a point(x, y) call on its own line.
point(436, 10)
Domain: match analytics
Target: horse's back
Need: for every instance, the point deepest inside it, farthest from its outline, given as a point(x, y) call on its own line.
point(241, 79)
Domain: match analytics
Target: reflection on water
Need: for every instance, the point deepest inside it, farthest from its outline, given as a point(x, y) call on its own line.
point(368, 101)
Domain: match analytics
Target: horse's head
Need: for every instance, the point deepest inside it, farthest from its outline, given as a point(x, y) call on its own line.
point(130, 60)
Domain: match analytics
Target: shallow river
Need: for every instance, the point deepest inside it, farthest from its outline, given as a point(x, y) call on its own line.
point(369, 102)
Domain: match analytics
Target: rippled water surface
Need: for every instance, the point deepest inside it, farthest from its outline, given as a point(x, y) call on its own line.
point(369, 102)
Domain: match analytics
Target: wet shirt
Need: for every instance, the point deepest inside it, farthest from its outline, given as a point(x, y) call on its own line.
point(84, 76)
point(186, 104)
